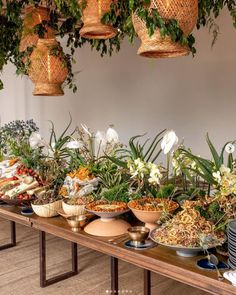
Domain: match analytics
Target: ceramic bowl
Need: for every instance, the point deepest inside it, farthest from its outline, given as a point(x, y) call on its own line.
point(107, 215)
point(150, 217)
point(73, 210)
point(47, 210)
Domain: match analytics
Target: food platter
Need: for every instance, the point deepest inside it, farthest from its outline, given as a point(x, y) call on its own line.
point(180, 250)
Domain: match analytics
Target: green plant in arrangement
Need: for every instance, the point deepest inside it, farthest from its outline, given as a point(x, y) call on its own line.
point(137, 160)
point(209, 170)
point(15, 134)
point(113, 181)
point(221, 176)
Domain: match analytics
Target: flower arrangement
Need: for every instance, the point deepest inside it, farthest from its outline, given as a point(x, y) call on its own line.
point(82, 166)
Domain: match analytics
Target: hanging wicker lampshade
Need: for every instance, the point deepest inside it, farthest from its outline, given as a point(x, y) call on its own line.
point(184, 11)
point(93, 28)
point(48, 68)
point(34, 16)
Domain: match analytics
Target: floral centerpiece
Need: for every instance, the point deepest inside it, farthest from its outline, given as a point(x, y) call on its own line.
point(219, 205)
point(148, 179)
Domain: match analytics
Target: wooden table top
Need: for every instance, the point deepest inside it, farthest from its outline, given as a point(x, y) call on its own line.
point(159, 259)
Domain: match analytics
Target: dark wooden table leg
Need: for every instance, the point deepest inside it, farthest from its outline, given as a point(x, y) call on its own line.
point(147, 282)
point(114, 276)
point(44, 282)
point(13, 237)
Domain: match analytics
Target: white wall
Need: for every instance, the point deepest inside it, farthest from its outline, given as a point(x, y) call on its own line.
point(192, 96)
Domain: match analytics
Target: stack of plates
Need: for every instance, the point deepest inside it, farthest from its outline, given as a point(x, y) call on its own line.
point(232, 244)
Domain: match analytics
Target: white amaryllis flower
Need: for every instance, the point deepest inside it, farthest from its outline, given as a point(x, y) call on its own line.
point(74, 144)
point(224, 170)
point(169, 140)
point(112, 135)
point(229, 148)
point(100, 142)
point(86, 129)
point(217, 176)
point(35, 140)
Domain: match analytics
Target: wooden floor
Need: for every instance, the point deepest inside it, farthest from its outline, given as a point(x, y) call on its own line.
point(19, 270)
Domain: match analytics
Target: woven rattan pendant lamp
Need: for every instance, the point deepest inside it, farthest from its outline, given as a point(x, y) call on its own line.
point(34, 16)
point(184, 11)
point(93, 28)
point(48, 68)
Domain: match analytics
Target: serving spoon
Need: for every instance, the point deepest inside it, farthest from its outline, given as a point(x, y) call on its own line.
point(215, 261)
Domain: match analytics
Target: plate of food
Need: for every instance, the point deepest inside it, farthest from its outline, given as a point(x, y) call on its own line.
point(106, 209)
point(149, 210)
point(108, 224)
point(188, 233)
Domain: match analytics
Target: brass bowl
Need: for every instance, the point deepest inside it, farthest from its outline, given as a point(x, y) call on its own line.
point(138, 234)
point(76, 222)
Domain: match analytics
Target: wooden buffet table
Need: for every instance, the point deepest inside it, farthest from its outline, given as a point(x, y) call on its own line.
point(159, 259)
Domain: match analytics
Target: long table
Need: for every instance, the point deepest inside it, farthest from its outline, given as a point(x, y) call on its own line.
point(160, 259)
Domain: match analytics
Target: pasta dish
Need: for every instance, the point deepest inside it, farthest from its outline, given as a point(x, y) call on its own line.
point(188, 229)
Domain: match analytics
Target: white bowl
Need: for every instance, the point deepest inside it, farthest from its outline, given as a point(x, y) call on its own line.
point(73, 210)
point(47, 210)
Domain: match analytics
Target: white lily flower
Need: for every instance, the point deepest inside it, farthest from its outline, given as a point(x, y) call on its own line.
point(217, 176)
point(86, 129)
point(230, 148)
point(224, 170)
point(169, 140)
point(35, 140)
point(74, 144)
point(112, 135)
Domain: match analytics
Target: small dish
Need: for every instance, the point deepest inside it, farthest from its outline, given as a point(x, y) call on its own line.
point(205, 264)
point(144, 246)
point(76, 222)
point(27, 211)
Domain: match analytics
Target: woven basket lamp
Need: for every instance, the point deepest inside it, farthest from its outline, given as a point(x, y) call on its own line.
point(34, 16)
point(93, 28)
point(47, 69)
point(184, 11)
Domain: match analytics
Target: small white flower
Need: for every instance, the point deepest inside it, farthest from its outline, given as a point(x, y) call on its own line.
point(74, 144)
point(230, 148)
point(35, 140)
point(155, 175)
point(112, 135)
point(224, 170)
point(86, 129)
point(169, 140)
point(217, 176)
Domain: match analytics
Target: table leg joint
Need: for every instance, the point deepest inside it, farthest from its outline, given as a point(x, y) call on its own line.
point(44, 282)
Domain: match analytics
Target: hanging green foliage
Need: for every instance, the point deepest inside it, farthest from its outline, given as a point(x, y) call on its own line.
point(66, 21)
